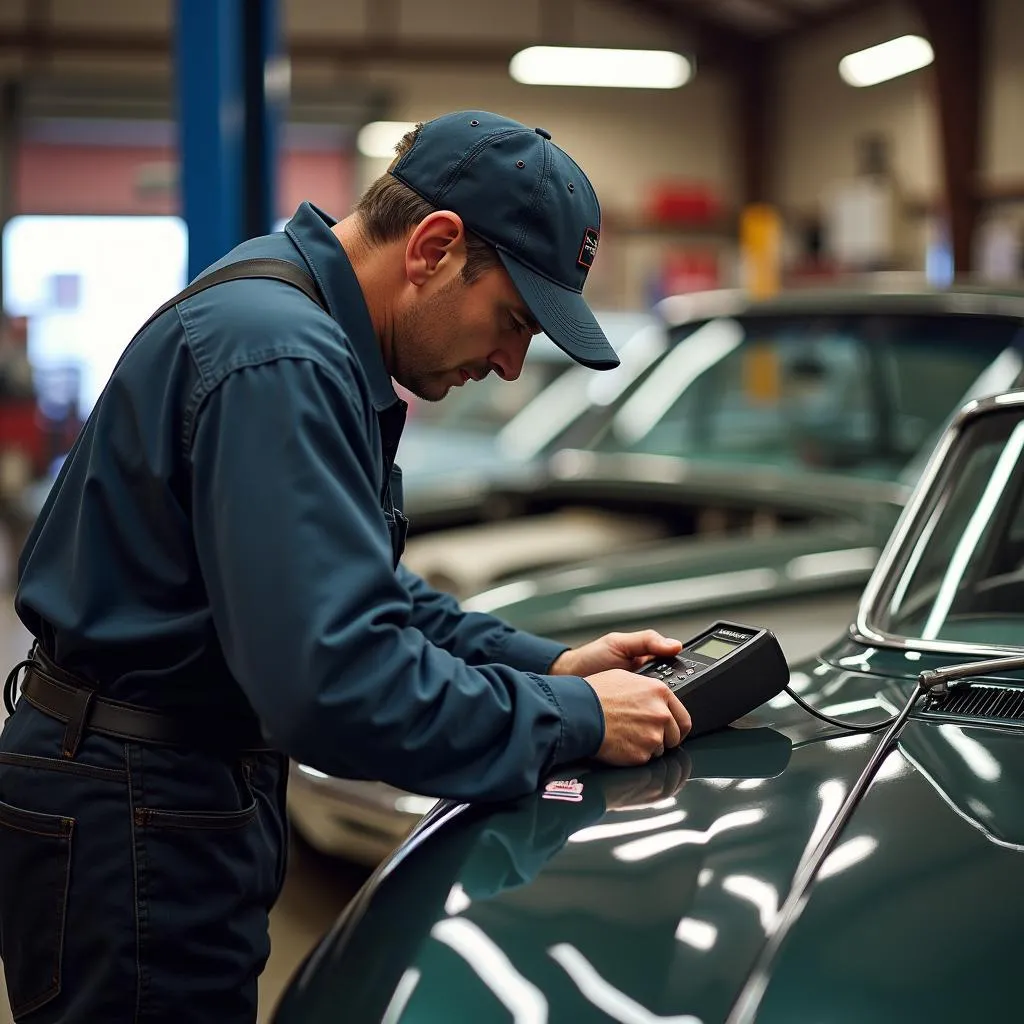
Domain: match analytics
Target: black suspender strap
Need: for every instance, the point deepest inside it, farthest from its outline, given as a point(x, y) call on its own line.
point(264, 266)
point(278, 270)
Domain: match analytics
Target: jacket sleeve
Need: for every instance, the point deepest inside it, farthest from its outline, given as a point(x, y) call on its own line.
point(474, 637)
point(315, 624)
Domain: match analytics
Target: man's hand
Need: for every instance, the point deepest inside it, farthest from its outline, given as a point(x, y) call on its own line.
point(643, 717)
point(630, 651)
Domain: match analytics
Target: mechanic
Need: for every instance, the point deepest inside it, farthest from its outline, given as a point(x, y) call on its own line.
point(214, 585)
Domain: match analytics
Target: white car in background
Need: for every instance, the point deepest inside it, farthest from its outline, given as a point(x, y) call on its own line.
point(464, 560)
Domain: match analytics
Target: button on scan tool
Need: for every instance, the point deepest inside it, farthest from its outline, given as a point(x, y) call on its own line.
point(724, 673)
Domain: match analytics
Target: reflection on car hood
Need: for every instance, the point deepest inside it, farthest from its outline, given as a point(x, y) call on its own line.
point(654, 889)
point(618, 590)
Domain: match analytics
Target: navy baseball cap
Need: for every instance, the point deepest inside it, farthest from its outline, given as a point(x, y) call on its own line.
point(515, 188)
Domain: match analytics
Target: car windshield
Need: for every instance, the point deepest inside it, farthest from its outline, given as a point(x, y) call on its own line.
point(573, 409)
point(536, 402)
point(853, 393)
point(960, 575)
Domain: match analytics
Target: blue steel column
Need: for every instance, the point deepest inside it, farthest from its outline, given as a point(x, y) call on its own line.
point(227, 136)
point(264, 76)
point(210, 126)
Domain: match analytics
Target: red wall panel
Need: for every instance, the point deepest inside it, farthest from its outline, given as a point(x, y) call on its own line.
point(82, 179)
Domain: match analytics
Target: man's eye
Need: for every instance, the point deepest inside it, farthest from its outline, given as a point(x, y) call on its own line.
point(517, 325)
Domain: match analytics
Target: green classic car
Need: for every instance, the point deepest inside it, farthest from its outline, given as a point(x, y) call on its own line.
point(776, 466)
point(778, 871)
point(763, 460)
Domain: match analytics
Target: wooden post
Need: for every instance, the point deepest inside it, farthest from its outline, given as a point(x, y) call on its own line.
point(955, 31)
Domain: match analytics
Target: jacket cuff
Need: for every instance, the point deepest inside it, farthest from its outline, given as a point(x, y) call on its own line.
point(529, 653)
point(582, 717)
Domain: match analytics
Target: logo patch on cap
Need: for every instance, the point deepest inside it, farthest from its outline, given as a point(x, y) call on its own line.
point(588, 250)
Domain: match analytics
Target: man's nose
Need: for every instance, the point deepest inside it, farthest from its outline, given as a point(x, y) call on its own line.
point(508, 362)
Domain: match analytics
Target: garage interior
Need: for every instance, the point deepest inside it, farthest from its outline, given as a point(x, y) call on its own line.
point(140, 141)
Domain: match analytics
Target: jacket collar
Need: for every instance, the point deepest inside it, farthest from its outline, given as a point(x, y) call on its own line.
point(310, 230)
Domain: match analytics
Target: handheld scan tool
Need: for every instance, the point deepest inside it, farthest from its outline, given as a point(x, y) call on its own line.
point(723, 673)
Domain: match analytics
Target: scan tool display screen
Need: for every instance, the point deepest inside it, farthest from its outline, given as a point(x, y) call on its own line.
point(715, 648)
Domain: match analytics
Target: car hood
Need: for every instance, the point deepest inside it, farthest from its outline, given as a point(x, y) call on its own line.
point(653, 893)
point(695, 572)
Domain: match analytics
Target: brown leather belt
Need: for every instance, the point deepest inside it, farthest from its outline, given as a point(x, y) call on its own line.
point(66, 698)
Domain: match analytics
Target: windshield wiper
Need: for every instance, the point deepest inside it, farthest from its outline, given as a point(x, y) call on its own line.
point(939, 678)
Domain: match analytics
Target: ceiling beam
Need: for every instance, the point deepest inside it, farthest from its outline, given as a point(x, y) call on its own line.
point(811, 22)
point(783, 10)
point(777, 8)
point(383, 18)
point(349, 52)
point(713, 43)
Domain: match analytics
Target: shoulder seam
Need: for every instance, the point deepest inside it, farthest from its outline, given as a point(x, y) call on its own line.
point(206, 389)
point(202, 387)
point(205, 371)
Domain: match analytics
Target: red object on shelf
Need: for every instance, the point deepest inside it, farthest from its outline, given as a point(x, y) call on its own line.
point(690, 271)
point(682, 202)
point(20, 428)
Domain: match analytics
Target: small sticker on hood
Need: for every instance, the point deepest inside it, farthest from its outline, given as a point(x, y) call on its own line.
point(564, 789)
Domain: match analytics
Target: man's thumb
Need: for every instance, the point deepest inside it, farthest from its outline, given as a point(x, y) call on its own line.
point(650, 641)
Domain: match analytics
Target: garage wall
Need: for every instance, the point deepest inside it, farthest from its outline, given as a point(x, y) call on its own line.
point(624, 139)
point(1003, 137)
point(627, 140)
point(820, 117)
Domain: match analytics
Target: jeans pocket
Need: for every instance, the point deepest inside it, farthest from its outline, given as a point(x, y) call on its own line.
point(35, 862)
point(205, 882)
point(149, 817)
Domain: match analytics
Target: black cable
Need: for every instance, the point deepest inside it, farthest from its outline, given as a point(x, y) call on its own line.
point(926, 682)
point(874, 727)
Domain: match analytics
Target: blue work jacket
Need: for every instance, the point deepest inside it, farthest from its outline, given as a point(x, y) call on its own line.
point(217, 542)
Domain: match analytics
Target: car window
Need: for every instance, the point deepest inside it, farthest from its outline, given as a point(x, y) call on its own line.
point(572, 411)
point(961, 574)
point(549, 394)
point(847, 393)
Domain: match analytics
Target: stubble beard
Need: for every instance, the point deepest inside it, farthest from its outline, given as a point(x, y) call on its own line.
point(420, 345)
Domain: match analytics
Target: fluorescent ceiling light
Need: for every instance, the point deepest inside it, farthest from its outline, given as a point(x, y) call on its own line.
point(886, 60)
point(622, 69)
point(379, 138)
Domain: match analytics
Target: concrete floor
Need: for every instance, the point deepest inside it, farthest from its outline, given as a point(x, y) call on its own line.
point(315, 890)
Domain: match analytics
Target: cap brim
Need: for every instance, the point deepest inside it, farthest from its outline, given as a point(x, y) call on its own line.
point(564, 316)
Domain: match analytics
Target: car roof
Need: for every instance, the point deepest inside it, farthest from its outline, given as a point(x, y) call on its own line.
point(896, 294)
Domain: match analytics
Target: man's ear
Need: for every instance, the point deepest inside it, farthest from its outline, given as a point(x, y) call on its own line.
point(436, 246)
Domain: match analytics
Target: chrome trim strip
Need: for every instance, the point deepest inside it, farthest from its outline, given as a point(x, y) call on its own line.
point(862, 629)
point(745, 1008)
point(899, 293)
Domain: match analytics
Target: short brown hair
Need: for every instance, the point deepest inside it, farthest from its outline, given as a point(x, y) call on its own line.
point(389, 208)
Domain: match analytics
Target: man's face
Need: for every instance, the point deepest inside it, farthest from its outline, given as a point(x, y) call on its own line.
point(461, 332)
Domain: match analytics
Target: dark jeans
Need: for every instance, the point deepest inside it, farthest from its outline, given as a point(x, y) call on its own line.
point(135, 881)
